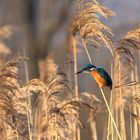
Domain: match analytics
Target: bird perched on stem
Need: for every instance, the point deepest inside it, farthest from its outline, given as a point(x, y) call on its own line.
point(99, 74)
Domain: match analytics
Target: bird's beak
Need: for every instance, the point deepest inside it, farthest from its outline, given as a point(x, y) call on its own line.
point(81, 71)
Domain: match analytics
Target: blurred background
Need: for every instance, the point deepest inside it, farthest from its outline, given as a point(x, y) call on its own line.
point(39, 30)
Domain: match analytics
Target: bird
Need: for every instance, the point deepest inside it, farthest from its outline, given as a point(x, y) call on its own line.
point(101, 77)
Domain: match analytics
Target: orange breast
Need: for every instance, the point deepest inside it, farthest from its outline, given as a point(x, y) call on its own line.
point(98, 78)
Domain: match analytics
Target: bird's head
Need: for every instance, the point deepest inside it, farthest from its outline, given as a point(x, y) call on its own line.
point(87, 68)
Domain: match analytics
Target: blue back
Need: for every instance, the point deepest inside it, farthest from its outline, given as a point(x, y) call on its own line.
point(105, 75)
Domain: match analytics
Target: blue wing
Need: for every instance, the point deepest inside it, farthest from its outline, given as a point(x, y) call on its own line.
point(105, 75)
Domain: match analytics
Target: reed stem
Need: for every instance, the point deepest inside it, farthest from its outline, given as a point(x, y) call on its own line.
point(93, 127)
point(110, 114)
point(87, 52)
point(109, 121)
point(28, 99)
point(76, 80)
point(130, 121)
point(122, 121)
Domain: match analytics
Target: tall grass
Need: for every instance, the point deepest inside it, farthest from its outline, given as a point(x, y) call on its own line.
point(92, 30)
point(49, 108)
point(87, 22)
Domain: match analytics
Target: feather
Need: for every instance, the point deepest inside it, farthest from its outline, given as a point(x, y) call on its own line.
point(105, 75)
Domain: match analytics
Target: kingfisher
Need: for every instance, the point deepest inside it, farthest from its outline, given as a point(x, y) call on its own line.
point(101, 77)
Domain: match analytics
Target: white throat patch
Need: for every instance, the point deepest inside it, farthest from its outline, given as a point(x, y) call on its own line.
point(92, 69)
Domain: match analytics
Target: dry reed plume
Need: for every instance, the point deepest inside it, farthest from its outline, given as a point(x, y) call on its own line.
point(126, 80)
point(58, 107)
point(49, 108)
